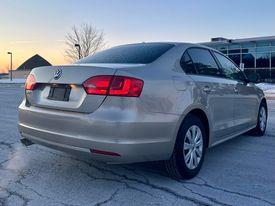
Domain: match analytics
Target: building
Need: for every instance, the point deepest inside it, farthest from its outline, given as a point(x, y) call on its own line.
point(4, 75)
point(24, 69)
point(253, 54)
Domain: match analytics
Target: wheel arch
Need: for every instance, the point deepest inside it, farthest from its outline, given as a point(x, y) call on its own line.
point(203, 117)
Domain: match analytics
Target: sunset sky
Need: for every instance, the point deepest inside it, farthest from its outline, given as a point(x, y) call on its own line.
point(32, 27)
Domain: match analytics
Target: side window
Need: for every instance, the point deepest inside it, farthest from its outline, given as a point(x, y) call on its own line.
point(187, 64)
point(229, 69)
point(204, 62)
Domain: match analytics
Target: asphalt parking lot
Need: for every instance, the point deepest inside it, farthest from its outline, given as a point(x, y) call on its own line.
point(238, 172)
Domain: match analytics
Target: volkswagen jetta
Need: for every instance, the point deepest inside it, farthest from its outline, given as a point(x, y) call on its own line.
point(142, 102)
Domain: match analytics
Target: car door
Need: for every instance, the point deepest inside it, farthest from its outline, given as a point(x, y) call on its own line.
point(215, 93)
point(245, 100)
point(246, 106)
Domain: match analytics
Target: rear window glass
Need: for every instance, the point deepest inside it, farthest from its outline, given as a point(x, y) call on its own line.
point(129, 54)
point(187, 64)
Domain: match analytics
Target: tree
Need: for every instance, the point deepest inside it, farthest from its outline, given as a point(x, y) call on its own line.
point(88, 37)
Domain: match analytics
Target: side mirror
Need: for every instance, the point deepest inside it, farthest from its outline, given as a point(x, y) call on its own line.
point(252, 77)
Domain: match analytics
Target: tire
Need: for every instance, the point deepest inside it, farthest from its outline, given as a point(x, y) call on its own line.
point(177, 166)
point(259, 130)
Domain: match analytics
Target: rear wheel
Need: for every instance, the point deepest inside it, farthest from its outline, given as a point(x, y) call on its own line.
point(259, 130)
point(189, 151)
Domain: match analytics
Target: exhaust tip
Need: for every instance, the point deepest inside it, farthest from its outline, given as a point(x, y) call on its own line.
point(26, 142)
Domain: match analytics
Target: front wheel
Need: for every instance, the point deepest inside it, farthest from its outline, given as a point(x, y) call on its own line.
point(189, 151)
point(259, 130)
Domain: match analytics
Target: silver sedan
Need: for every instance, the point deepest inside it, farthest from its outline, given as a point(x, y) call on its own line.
point(142, 102)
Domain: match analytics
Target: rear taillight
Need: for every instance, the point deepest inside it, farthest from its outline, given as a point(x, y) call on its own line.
point(126, 86)
point(113, 86)
point(30, 82)
point(98, 85)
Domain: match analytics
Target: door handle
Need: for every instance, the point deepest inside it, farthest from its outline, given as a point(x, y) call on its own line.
point(206, 89)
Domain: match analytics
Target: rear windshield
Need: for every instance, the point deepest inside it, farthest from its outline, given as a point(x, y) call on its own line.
point(144, 53)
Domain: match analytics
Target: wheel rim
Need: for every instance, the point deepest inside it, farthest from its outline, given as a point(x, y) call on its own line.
point(262, 118)
point(193, 147)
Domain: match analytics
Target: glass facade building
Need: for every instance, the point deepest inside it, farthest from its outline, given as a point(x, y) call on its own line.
point(254, 54)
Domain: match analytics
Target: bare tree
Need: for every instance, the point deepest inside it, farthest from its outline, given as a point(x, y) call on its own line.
point(89, 38)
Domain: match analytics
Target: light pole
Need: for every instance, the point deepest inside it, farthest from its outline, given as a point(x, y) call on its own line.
point(78, 46)
point(10, 66)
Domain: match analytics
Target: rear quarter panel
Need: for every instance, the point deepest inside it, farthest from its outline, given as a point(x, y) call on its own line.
point(167, 90)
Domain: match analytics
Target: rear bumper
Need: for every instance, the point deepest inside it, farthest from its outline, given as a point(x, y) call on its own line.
point(135, 137)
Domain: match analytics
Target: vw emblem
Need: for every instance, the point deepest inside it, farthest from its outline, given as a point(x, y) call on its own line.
point(57, 74)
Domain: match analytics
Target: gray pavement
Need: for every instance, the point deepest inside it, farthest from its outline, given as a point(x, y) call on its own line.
point(238, 172)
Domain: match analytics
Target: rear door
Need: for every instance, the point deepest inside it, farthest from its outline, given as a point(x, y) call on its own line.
point(245, 100)
point(216, 93)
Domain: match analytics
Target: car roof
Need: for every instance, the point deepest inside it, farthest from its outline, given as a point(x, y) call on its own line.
point(186, 44)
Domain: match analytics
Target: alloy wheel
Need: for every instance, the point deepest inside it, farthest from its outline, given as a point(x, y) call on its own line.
point(193, 147)
point(262, 118)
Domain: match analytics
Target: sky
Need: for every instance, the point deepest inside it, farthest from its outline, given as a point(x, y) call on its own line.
point(32, 27)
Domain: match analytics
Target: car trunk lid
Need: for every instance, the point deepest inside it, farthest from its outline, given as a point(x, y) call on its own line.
point(60, 87)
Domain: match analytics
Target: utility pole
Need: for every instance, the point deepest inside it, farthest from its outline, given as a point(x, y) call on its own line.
point(10, 53)
point(79, 50)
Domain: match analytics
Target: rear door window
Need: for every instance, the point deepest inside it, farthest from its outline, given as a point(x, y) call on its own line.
point(143, 53)
point(204, 62)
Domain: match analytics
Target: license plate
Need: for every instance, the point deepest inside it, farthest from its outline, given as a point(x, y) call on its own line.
point(59, 92)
